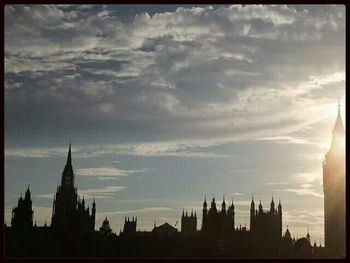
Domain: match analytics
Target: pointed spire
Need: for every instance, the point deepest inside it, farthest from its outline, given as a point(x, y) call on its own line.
point(27, 194)
point(338, 126)
point(260, 207)
point(279, 206)
point(272, 208)
point(94, 204)
point(69, 157)
point(183, 212)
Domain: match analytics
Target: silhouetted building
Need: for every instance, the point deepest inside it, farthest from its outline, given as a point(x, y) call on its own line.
point(334, 192)
point(130, 226)
point(303, 248)
point(286, 248)
point(266, 223)
point(164, 230)
point(216, 222)
point(22, 215)
point(189, 223)
point(72, 232)
point(105, 229)
point(69, 213)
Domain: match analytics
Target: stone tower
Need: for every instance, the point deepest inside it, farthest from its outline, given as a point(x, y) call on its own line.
point(334, 192)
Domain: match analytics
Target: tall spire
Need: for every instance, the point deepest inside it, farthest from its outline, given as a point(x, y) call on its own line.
point(68, 175)
point(338, 126)
point(308, 234)
point(69, 157)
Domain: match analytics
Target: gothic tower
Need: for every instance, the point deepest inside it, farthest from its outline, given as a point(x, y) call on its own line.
point(22, 215)
point(69, 213)
point(334, 192)
point(65, 200)
point(205, 214)
point(252, 214)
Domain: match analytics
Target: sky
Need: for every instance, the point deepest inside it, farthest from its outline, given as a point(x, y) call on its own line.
point(166, 104)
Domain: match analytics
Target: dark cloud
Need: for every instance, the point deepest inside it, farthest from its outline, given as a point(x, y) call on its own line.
point(192, 72)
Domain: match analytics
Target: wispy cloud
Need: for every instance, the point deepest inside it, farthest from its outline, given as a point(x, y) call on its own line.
point(107, 192)
point(98, 193)
point(140, 211)
point(140, 149)
point(304, 189)
point(308, 177)
point(144, 73)
point(277, 183)
point(104, 172)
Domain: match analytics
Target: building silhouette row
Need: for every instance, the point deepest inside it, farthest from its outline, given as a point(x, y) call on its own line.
point(72, 230)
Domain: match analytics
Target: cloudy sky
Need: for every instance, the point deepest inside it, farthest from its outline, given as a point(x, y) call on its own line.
point(166, 104)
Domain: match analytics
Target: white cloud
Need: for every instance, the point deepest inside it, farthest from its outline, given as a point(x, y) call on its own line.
point(139, 149)
point(97, 193)
point(140, 211)
point(166, 70)
point(106, 171)
point(308, 177)
point(107, 192)
point(277, 183)
point(304, 189)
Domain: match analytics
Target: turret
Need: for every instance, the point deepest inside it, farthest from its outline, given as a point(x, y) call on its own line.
point(204, 214)
point(260, 208)
point(272, 208)
point(252, 206)
point(205, 203)
point(308, 235)
point(213, 204)
point(279, 207)
point(20, 200)
point(93, 215)
point(223, 206)
point(27, 194)
point(287, 233)
point(252, 214)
